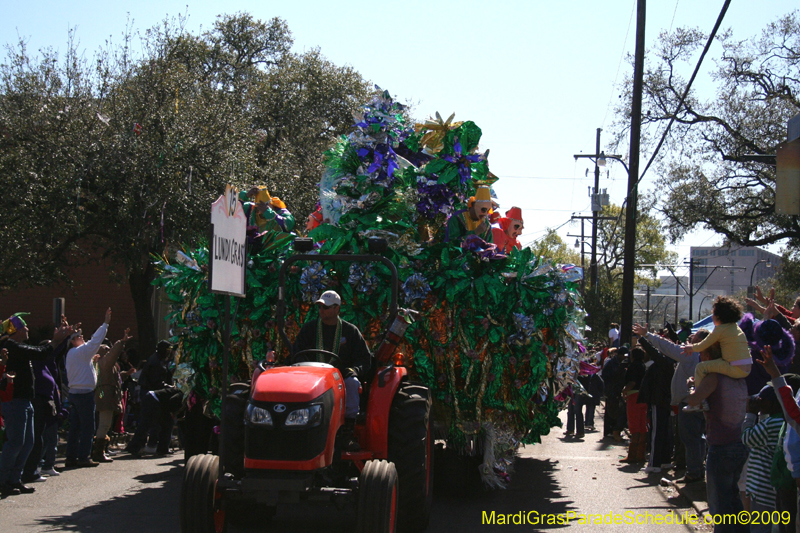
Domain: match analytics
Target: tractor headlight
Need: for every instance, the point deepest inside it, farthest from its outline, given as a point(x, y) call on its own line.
point(258, 416)
point(306, 417)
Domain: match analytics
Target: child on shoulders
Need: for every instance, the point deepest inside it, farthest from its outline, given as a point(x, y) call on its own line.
point(736, 361)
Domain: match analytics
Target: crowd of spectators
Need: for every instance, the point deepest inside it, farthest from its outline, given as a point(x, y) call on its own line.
point(736, 431)
point(86, 389)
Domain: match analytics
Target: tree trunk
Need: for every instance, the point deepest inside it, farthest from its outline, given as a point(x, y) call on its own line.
point(141, 292)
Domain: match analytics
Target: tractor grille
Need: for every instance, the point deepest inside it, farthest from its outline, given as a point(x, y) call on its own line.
point(279, 443)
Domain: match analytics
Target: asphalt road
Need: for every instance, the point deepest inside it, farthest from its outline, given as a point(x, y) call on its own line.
point(553, 478)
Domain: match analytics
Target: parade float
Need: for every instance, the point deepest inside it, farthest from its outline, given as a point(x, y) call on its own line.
point(498, 336)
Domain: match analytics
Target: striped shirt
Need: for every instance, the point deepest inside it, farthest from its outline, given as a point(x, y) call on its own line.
point(762, 439)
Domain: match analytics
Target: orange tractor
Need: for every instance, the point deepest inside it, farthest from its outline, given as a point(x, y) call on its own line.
point(293, 418)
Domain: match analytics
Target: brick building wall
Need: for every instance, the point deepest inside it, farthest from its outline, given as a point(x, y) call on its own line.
point(86, 301)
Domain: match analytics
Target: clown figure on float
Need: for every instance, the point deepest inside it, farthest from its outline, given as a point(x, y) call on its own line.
point(474, 220)
point(511, 226)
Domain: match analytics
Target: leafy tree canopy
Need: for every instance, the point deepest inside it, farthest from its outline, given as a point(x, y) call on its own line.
point(706, 173)
point(125, 153)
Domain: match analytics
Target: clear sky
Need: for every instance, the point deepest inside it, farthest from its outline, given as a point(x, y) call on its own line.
point(538, 77)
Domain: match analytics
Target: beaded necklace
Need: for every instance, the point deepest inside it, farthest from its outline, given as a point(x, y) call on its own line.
point(337, 337)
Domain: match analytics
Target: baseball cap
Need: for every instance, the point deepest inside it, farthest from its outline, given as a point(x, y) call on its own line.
point(163, 347)
point(767, 393)
point(329, 298)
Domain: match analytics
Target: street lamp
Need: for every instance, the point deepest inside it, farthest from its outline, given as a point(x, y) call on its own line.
point(751, 291)
point(754, 269)
point(700, 309)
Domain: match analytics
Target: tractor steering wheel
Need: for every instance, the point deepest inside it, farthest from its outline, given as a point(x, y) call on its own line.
point(333, 359)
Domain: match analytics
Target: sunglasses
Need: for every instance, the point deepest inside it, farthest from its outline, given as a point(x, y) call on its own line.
point(517, 226)
point(326, 307)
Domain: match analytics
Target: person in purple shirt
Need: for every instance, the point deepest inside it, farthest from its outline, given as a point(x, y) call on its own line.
point(18, 413)
point(46, 411)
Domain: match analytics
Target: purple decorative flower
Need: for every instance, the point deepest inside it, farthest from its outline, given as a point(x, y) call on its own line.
point(435, 199)
point(416, 287)
point(464, 161)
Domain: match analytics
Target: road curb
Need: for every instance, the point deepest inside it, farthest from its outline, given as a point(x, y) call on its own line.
point(695, 493)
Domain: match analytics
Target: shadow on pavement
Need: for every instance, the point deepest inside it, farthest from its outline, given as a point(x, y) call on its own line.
point(459, 503)
point(151, 507)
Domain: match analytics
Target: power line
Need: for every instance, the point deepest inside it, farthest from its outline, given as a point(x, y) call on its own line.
point(538, 178)
point(688, 87)
point(671, 22)
point(683, 96)
point(619, 65)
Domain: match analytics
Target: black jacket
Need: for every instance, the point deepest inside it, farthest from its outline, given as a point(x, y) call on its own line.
point(353, 352)
point(19, 362)
point(155, 374)
point(656, 386)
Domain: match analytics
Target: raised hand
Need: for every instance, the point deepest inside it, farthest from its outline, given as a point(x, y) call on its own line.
point(754, 304)
point(62, 332)
point(768, 362)
point(771, 311)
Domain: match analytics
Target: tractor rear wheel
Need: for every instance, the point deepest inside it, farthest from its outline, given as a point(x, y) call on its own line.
point(411, 450)
point(199, 513)
point(377, 498)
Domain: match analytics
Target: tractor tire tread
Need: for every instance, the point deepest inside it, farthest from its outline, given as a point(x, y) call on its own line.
point(409, 422)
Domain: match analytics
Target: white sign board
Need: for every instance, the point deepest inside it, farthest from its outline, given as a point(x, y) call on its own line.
point(228, 240)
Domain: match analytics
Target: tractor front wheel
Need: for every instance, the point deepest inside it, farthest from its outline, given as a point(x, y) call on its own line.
point(200, 512)
point(411, 450)
point(377, 498)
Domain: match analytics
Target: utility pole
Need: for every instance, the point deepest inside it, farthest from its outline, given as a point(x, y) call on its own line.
point(676, 302)
point(595, 213)
point(691, 286)
point(583, 267)
point(629, 268)
point(595, 220)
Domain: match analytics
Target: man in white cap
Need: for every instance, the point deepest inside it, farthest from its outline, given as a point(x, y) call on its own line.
point(329, 332)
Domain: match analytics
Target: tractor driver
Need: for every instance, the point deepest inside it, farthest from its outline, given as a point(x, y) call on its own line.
point(353, 359)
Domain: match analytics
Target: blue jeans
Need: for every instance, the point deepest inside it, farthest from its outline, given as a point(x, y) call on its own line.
point(42, 413)
point(691, 427)
point(81, 425)
point(152, 416)
point(575, 414)
point(18, 416)
point(756, 507)
point(588, 418)
point(50, 445)
point(352, 397)
point(723, 468)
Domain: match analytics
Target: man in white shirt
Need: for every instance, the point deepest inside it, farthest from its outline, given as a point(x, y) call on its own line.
point(613, 336)
point(82, 379)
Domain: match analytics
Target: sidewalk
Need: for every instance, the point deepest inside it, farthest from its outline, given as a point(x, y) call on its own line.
point(694, 492)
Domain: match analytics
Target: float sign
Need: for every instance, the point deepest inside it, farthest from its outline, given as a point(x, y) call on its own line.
point(228, 240)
